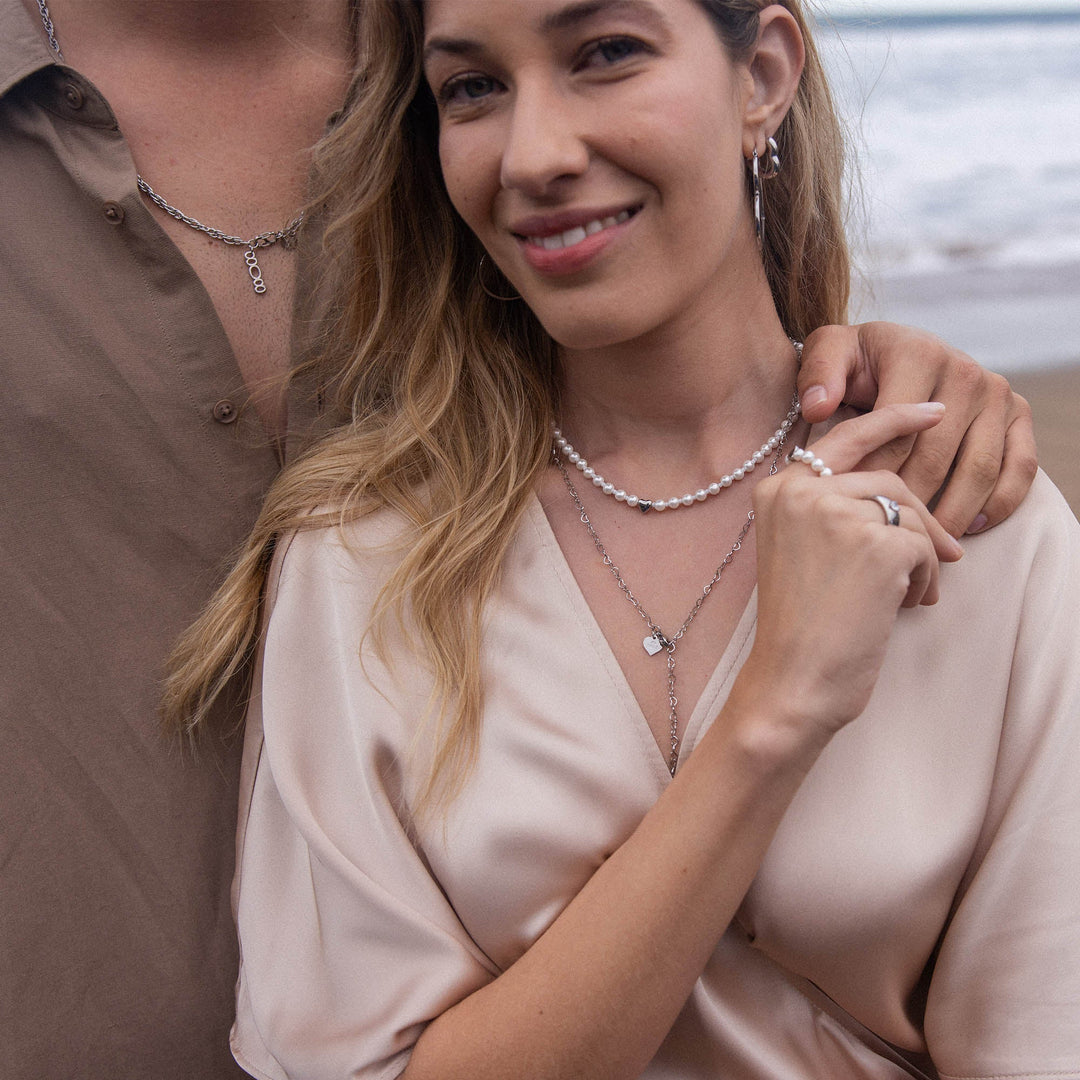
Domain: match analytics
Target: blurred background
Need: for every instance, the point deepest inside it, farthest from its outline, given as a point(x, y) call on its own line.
point(964, 124)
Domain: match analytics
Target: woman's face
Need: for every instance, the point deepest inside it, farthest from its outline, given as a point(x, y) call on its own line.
point(597, 150)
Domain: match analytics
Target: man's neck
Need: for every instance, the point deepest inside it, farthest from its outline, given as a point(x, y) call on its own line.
point(201, 30)
point(220, 103)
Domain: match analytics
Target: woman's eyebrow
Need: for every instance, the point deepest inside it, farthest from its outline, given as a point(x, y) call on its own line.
point(452, 46)
point(573, 14)
point(566, 18)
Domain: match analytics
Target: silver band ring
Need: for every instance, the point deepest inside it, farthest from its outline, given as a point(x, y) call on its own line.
point(890, 507)
point(807, 458)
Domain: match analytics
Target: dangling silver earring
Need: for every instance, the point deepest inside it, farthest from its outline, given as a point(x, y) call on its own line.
point(759, 207)
point(757, 175)
point(480, 278)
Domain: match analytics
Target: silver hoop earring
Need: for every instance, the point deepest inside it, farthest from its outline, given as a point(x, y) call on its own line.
point(480, 278)
point(772, 159)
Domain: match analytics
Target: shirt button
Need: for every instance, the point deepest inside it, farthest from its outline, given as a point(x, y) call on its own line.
point(114, 212)
point(73, 96)
point(225, 411)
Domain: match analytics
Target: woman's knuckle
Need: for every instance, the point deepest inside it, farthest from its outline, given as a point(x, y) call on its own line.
point(765, 490)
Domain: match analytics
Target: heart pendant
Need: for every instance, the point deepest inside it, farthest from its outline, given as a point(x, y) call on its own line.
point(644, 505)
point(652, 644)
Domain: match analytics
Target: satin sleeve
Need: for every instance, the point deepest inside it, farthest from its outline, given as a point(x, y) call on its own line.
point(1004, 998)
point(348, 945)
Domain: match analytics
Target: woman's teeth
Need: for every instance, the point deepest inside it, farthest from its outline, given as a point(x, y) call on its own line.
point(578, 233)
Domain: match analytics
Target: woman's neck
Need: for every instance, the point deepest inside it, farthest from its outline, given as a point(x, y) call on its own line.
point(683, 399)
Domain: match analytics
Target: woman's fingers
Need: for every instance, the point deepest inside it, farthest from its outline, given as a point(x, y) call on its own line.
point(865, 485)
point(851, 441)
point(834, 566)
point(891, 508)
point(865, 494)
point(843, 550)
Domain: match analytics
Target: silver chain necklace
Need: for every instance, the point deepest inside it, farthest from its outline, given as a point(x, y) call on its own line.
point(656, 640)
point(286, 237)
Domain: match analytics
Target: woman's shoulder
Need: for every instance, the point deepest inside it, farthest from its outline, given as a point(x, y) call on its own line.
point(332, 550)
point(1042, 531)
point(1045, 506)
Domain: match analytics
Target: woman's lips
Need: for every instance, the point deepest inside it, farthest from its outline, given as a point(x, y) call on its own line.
point(569, 249)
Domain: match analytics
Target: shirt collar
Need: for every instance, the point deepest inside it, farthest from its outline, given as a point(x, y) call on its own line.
point(24, 48)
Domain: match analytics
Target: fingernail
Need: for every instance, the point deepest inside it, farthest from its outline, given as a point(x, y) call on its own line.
point(935, 408)
point(977, 525)
point(814, 396)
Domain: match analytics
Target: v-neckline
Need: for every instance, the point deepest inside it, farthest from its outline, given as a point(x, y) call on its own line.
point(716, 687)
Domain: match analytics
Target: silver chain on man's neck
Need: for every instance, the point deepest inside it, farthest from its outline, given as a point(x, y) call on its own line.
point(656, 640)
point(286, 236)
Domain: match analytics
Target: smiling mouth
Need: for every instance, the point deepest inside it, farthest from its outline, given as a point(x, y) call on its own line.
point(574, 236)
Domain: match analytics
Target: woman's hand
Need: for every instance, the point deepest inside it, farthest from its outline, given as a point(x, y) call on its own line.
point(832, 574)
point(981, 457)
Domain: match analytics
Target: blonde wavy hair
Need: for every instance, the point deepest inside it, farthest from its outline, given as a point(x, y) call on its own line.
point(442, 398)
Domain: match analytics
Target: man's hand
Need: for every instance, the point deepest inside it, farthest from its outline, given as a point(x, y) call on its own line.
point(976, 466)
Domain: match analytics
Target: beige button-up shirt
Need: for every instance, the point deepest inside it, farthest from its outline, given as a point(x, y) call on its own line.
point(128, 472)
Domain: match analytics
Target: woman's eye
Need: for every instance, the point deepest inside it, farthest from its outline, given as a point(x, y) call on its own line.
point(466, 89)
point(612, 50)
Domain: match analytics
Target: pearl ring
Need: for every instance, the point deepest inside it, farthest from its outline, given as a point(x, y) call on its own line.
point(807, 458)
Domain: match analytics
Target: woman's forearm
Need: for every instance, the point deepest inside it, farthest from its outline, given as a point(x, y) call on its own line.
point(600, 989)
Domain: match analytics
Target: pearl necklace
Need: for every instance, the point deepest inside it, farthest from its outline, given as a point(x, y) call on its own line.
point(645, 505)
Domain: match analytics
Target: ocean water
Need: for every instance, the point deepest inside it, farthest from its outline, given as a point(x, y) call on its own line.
point(965, 137)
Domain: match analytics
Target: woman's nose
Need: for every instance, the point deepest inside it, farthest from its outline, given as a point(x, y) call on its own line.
point(544, 142)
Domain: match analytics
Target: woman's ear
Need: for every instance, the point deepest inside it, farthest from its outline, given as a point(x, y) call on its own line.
point(774, 67)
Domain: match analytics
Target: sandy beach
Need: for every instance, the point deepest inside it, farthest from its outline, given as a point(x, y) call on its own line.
point(1054, 395)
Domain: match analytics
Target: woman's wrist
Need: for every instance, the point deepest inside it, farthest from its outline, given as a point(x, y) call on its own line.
point(768, 729)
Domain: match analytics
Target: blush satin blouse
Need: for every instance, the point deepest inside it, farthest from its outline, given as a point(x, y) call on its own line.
point(921, 897)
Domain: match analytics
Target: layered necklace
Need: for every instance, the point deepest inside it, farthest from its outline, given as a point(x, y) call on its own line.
point(656, 640)
point(286, 236)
